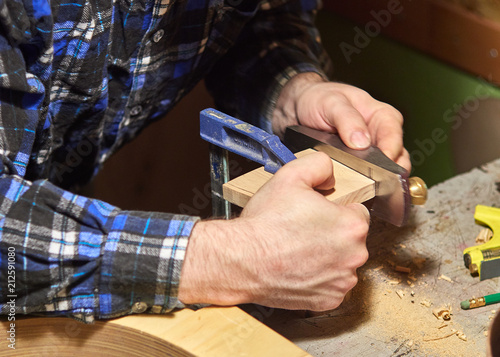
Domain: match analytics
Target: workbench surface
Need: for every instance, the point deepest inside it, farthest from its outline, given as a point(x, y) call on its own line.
point(390, 313)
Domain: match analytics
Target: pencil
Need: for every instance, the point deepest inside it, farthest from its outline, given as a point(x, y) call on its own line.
point(482, 301)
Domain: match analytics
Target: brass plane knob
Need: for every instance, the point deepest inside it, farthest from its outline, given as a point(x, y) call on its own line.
point(418, 190)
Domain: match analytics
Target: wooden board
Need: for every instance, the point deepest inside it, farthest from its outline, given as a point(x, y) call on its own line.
point(350, 186)
point(208, 332)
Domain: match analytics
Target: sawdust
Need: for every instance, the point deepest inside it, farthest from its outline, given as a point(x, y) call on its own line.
point(409, 318)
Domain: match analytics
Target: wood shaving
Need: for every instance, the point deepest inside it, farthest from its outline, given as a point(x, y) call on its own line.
point(394, 282)
point(444, 277)
point(402, 269)
point(442, 313)
point(439, 338)
point(400, 293)
point(419, 262)
point(425, 303)
point(484, 236)
point(461, 336)
point(378, 268)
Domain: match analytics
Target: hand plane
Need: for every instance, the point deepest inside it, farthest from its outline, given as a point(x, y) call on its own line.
point(394, 189)
point(484, 260)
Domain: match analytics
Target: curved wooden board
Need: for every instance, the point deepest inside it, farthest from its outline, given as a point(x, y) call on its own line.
point(208, 332)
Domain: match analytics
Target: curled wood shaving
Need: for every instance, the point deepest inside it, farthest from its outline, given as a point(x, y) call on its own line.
point(442, 313)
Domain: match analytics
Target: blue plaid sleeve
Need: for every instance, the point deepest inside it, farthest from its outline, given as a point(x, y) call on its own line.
point(278, 42)
point(84, 258)
point(61, 253)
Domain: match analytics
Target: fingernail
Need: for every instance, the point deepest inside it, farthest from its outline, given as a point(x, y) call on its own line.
point(360, 139)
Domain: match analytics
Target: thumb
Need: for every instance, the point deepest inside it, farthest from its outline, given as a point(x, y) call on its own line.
point(314, 170)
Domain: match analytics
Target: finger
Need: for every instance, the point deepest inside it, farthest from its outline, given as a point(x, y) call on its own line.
point(349, 123)
point(314, 170)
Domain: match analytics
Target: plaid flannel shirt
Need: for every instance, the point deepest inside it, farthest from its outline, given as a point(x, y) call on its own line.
point(78, 79)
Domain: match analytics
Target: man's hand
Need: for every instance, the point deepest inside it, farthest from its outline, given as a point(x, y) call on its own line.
point(359, 119)
point(290, 248)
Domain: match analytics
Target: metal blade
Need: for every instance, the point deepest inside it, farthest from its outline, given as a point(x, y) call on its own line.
point(392, 196)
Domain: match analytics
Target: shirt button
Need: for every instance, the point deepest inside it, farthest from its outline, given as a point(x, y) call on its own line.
point(158, 35)
point(136, 110)
point(139, 307)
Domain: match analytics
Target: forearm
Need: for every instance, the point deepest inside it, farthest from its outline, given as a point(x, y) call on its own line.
point(213, 272)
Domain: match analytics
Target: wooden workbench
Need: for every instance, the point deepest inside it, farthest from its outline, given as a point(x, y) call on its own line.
point(391, 313)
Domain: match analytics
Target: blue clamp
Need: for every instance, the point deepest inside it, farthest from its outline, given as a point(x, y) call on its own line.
point(244, 139)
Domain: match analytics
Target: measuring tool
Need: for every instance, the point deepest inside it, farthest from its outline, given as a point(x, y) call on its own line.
point(484, 260)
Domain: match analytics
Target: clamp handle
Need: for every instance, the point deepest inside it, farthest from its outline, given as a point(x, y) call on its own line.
point(244, 139)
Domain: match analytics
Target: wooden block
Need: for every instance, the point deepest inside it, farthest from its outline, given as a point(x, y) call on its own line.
point(350, 186)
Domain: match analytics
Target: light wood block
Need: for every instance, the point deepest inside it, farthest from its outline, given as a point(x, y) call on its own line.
point(350, 186)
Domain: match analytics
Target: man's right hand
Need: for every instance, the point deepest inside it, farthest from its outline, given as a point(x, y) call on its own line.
point(291, 248)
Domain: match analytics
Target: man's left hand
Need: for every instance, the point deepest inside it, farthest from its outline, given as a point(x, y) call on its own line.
point(359, 119)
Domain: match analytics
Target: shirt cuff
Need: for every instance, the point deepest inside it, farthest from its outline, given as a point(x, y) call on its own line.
point(142, 262)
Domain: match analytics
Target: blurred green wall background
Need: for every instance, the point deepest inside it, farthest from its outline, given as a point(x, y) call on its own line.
point(427, 91)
